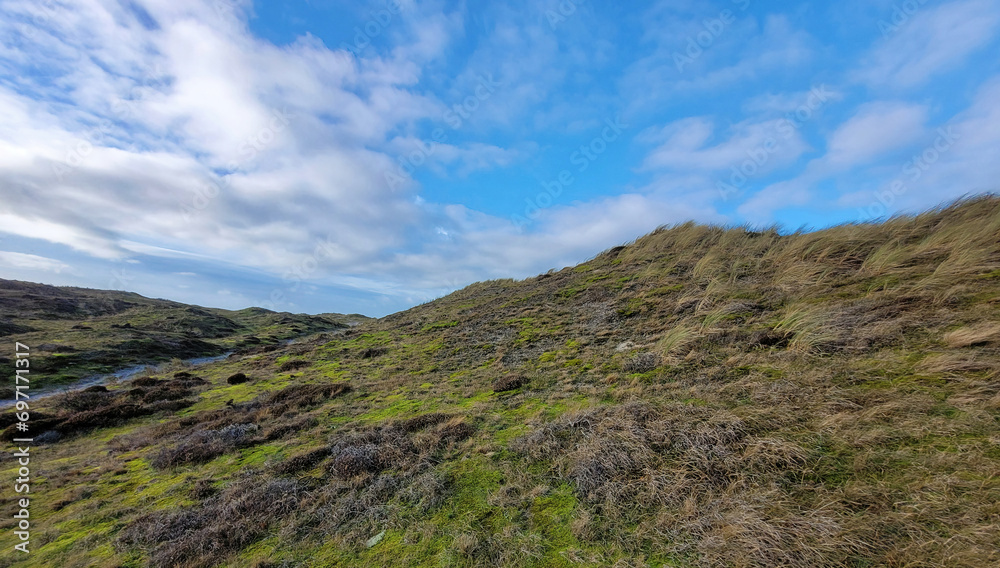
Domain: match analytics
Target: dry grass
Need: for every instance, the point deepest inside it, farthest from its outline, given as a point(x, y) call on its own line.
point(675, 340)
point(509, 382)
point(979, 334)
point(700, 480)
point(700, 397)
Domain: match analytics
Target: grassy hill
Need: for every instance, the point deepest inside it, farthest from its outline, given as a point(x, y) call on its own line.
point(700, 397)
point(78, 332)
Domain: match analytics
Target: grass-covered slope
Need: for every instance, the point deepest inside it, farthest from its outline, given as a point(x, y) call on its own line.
point(701, 397)
point(77, 332)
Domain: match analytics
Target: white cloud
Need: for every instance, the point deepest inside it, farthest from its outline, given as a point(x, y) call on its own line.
point(744, 51)
point(955, 159)
point(24, 261)
point(932, 41)
point(179, 103)
point(194, 146)
point(194, 143)
point(91, 241)
point(687, 145)
point(770, 103)
point(876, 129)
point(934, 164)
point(481, 246)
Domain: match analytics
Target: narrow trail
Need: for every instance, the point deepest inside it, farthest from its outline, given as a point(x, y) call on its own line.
point(129, 373)
point(121, 375)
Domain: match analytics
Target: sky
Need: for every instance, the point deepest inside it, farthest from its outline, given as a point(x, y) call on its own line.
point(331, 156)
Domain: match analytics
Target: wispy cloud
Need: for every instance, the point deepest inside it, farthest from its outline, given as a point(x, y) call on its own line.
point(742, 51)
point(150, 139)
point(690, 144)
point(32, 262)
point(876, 129)
point(931, 41)
point(130, 124)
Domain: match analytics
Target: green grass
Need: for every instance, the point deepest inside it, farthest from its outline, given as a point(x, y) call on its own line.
point(820, 399)
point(102, 332)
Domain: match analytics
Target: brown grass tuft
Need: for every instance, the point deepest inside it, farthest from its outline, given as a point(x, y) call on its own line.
point(509, 382)
point(979, 334)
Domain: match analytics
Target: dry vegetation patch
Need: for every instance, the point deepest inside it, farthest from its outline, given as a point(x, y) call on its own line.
point(509, 382)
point(979, 334)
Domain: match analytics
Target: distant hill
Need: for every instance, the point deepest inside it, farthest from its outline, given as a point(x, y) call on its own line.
point(704, 396)
point(77, 332)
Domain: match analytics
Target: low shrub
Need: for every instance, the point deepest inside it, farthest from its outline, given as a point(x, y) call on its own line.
point(509, 383)
point(200, 536)
point(373, 352)
point(420, 422)
point(146, 382)
point(205, 445)
point(355, 460)
point(237, 379)
point(171, 392)
point(102, 417)
point(298, 396)
point(641, 363)
point(455, 430)
point(302, 462)
point(293, 365)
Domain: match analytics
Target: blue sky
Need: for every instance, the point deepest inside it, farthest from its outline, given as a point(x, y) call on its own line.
point(368, 156)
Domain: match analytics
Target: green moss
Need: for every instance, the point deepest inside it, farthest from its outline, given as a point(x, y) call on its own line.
point(633, 307)
point(258, 455)
point(529, 331)
point(666, 290)
point(551, 515)
point(439, 325)
point(148, 489)
point(393, 406)
point(571, 291)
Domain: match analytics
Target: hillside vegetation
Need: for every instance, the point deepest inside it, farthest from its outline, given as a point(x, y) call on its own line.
point(77, 332)
point(700, 397)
